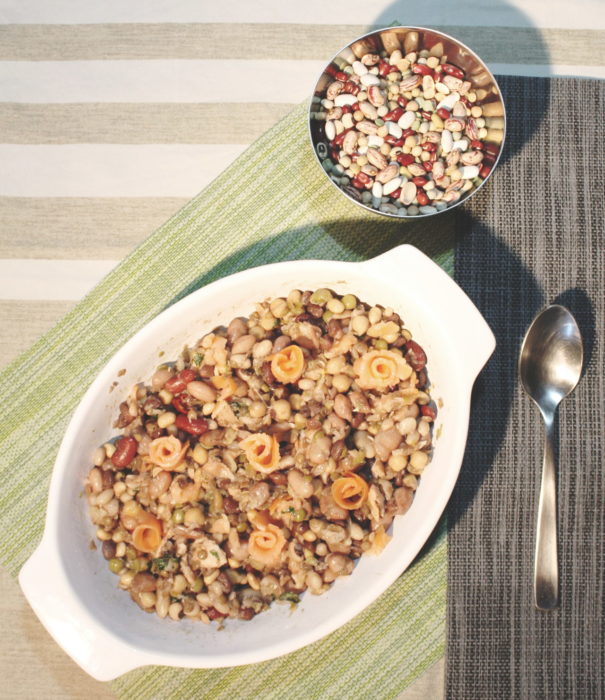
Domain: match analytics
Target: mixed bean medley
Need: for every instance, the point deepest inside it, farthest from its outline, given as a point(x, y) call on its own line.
point(267, 459)
point(405, 131)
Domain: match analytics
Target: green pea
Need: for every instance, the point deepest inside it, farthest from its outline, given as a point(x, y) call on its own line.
point(197, 585)
point(300, 515)
point(381, 344)
point(178, 516)
point(116, 565)
point(327, 315)
point(321, 296)
point(138, 564)
point(131, 553)
point(241, 527)
point(349, 301)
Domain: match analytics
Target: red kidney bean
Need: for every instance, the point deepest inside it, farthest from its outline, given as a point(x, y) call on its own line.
point(394, 115)
point(477, 145)
point(443, 113)
point(428, 165)
point(178, 383)
point(430, 147)
point(407, 132)
point(422, 198)
point(452, 70)
point(390, 139)
point(428, 412)
point(351, 87)
point(214, 614)
point(415, 355)
point(195, 426)
point(343, 77)
point(491, 148)
point(364, 177)
point(421, 69)
point(485, 171)
point(465, 101)
point(357, 184)
point(346, 109)
point(426, 115)
point(341, 137)
point(126, 450)
point(396, 193)
point(402, 101)
point(182, 403)
point(355, 106)
point(405, 158)
point(384, 69)
point(332, 71)
point(419, 181)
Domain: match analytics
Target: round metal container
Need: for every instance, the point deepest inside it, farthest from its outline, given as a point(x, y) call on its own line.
point(409, 39)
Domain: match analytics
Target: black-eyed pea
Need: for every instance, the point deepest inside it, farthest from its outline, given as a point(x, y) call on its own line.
point(282, 410)
point(342, 383)
point(417, 463)
point(257, 409)
point(359, 325)
point(397, 461)
point(374, 315)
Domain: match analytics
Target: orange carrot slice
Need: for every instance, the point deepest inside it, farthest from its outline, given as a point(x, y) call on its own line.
point(380, 369)
point(288, 364)
point(350, 491)
point(265, 546)
point(227, 385)
point(147, 535)
point(167, 452)
point(262, 451)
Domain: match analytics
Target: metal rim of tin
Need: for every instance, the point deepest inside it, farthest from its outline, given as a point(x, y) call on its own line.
point(460, 46)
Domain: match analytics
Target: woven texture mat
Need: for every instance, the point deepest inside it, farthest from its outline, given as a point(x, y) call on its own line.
point(537, 240)
point(272, 204)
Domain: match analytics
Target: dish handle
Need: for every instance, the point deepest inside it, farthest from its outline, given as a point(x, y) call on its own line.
point(465, 326)
point(94, 649)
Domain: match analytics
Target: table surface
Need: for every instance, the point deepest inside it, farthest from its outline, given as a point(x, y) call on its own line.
point(114, 115)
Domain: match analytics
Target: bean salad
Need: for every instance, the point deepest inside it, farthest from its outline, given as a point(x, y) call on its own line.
point(265, 460)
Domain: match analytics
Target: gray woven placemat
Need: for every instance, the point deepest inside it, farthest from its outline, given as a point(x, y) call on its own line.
point(532, 238)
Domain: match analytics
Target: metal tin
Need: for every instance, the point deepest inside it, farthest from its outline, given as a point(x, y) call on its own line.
point(409, 39)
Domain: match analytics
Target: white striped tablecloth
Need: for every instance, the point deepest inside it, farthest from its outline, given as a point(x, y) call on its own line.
point(114, 114)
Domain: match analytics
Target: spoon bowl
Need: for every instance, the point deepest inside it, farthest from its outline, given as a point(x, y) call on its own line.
point(550, 365)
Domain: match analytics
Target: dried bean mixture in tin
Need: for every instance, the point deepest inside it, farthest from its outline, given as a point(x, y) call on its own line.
point(267, 459)
point(407, 134)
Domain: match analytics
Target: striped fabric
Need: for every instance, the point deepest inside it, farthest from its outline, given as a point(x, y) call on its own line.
point(115, 114)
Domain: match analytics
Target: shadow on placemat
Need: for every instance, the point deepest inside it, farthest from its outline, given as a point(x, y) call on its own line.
point(537, 239)
point(435, 236)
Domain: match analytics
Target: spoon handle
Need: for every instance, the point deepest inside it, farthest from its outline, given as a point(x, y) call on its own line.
point(546, 570)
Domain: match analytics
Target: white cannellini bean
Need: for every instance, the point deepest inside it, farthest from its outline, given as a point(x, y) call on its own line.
point(468, 172)
point(447, 141)
point(344, 99)
point(359, 68)
point(375, 141)
point(330, 131)
point(407, 119)
point(391, 186)
point(377, 189)
point(449, 101)
point(460, 145)
point(369, 79)
point(394, 129)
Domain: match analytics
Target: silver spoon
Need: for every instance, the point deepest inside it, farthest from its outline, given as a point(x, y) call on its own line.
point(550, 365)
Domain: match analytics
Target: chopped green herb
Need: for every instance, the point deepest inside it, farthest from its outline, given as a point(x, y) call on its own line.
point(197, 359)
point(292, 597)
point(168, 564)
point(214, 553)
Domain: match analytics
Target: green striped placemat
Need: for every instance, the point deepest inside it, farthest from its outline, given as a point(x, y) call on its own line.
point(272, 204)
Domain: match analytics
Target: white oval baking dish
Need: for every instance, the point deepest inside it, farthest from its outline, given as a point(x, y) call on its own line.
point(69, 586)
